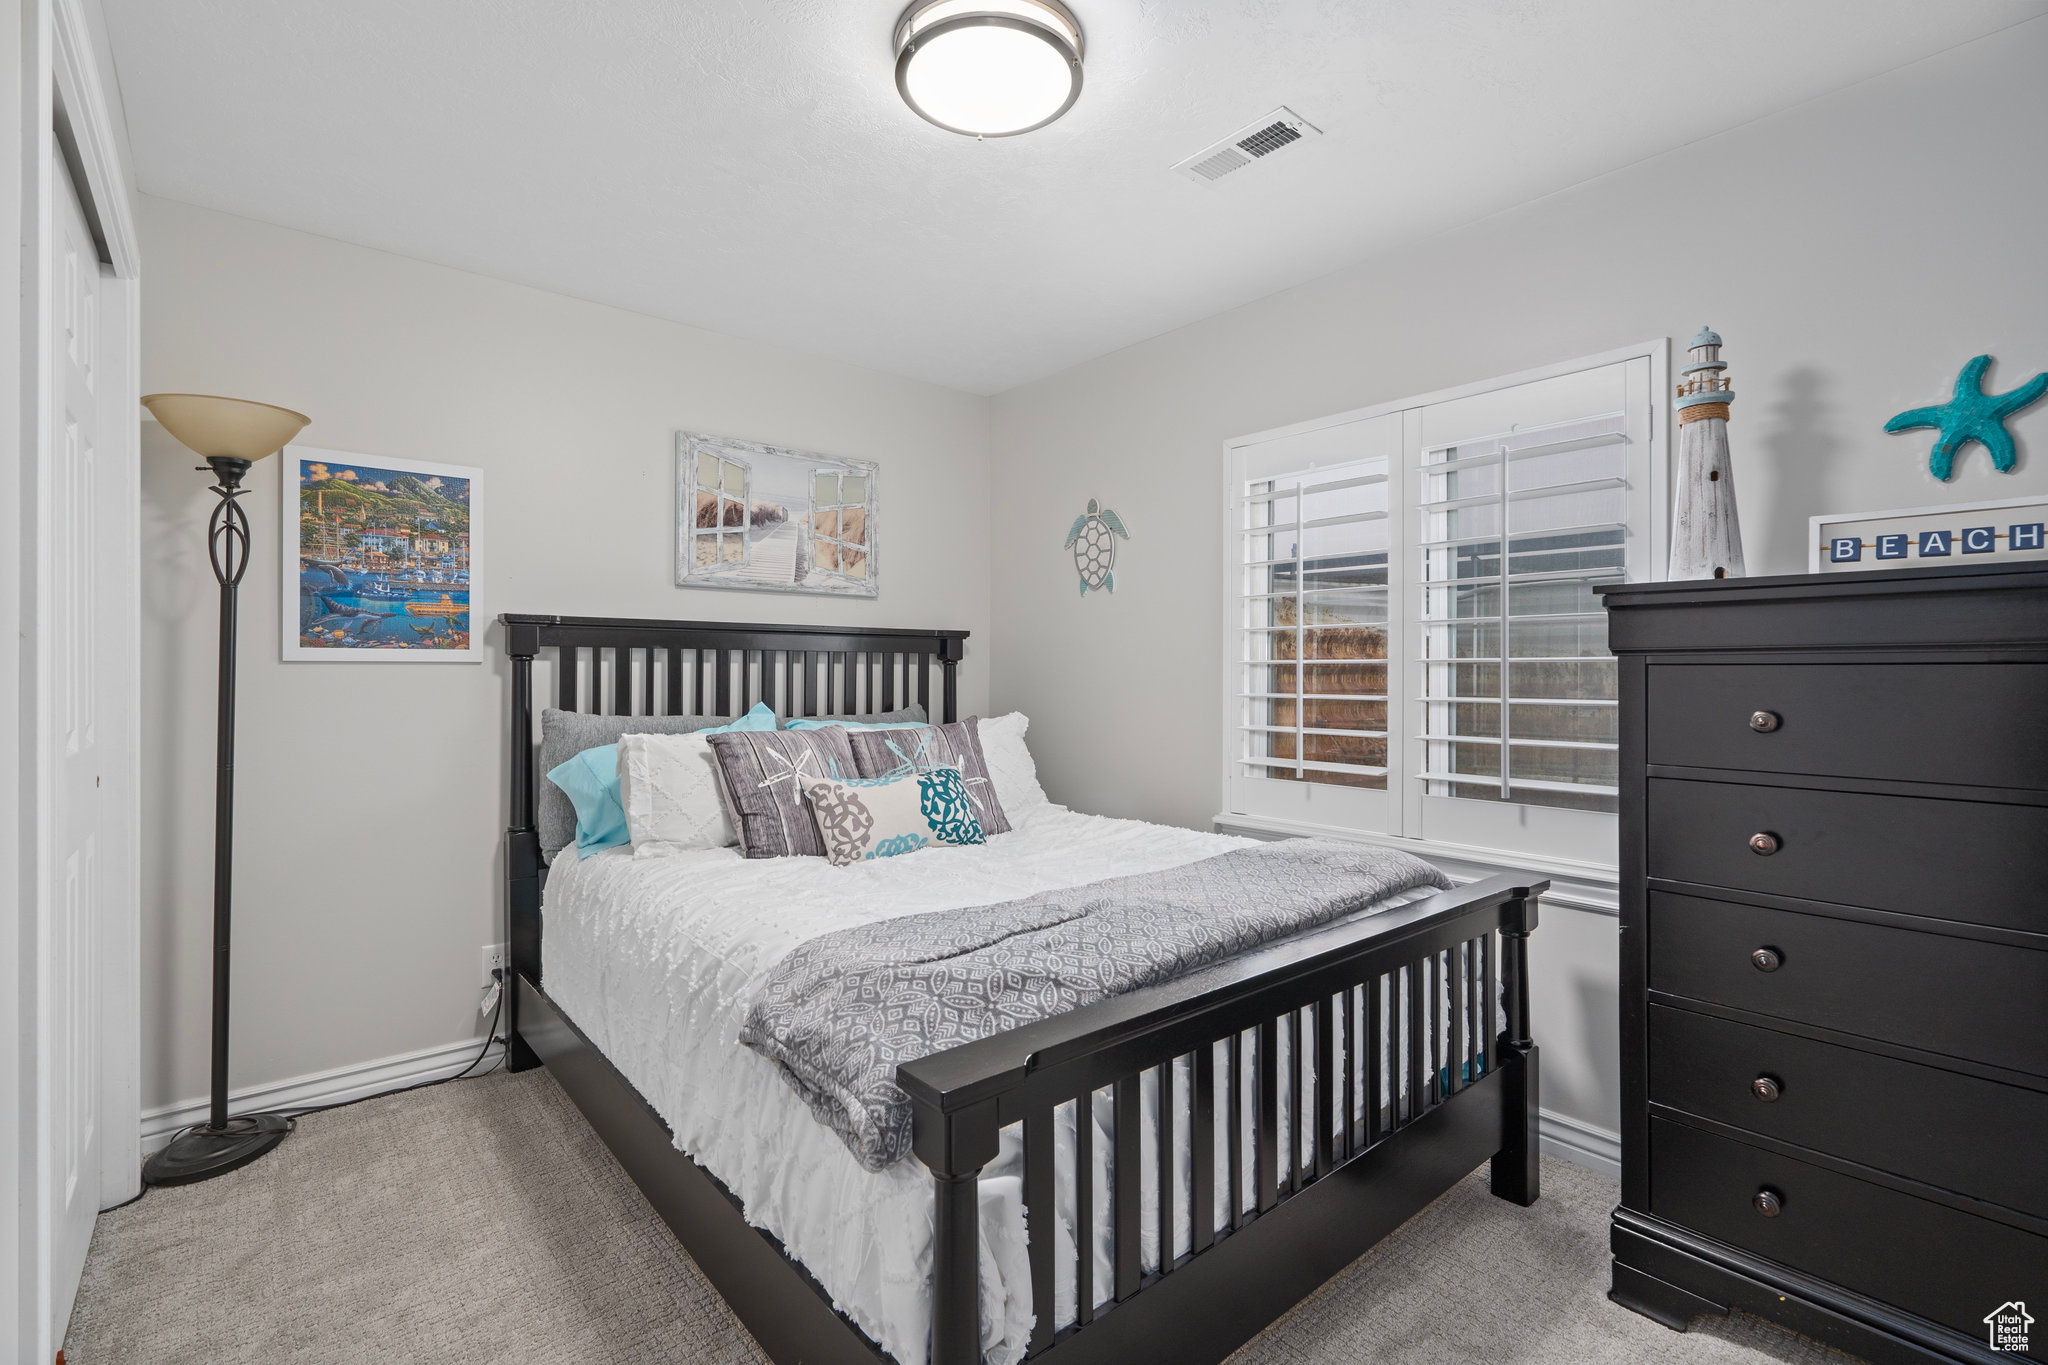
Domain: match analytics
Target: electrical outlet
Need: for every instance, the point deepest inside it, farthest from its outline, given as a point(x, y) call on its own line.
point(494, 959)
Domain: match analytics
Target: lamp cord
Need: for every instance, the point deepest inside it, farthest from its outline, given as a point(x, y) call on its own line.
point(491, 1037)
point(497, 1013)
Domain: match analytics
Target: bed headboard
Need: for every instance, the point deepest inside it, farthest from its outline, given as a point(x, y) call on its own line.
point(622, 667)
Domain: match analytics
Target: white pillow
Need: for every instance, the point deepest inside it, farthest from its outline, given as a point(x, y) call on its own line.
point(668, 785)
point(1009, 762)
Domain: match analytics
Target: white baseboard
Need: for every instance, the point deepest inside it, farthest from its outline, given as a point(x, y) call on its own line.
point(1596, 1149)
point(338, 1086)
point(1567, 1139)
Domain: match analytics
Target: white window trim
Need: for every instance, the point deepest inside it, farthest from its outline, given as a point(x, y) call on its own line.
point(1595, 877)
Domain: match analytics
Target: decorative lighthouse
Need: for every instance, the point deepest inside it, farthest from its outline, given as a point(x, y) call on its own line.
point(1706, 539)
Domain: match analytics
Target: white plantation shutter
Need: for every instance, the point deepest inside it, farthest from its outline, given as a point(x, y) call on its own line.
point(1517, 701)
point(1314, 549)
point(1415, 644)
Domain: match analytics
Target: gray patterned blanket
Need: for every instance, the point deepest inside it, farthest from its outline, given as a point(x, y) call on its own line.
point(842, 1011)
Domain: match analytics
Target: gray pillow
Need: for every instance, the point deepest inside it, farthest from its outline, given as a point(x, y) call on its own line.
point(565, 734)
point(758, 772)
point(881, 753)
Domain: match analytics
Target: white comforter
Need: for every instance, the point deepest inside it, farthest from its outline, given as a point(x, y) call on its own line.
point(657, 960)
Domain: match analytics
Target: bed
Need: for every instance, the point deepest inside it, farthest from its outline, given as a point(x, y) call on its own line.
point(1303, 1099)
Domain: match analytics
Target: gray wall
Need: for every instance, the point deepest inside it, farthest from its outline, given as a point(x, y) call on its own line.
point(370, 806)
point(1854, 251)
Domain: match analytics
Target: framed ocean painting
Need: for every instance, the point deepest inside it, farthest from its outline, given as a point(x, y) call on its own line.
point(380, 558)
point(768, 519)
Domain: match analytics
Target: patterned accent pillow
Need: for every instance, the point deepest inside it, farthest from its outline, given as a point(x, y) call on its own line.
point(880, 817)
point(882, 753)
point(759, 778)
point(912, 714)
point(853, 725)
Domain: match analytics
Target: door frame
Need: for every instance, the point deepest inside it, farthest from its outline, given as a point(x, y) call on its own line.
point(64, 86)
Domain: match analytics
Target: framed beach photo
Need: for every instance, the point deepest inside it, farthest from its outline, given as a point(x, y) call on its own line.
point(768, 519)
point(380, 558)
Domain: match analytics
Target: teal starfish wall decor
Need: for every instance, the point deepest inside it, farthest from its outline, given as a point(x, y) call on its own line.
point(1972, 415)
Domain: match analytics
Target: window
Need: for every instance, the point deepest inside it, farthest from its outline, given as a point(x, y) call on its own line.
point(723, 513)
point(1416, 649)
point(1517, 701)
point(839, 523)
point(1316, 642)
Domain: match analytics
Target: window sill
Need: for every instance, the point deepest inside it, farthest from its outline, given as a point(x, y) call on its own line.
point(1578, 885)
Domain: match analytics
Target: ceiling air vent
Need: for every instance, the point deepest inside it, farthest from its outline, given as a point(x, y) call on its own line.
point(1275, 132)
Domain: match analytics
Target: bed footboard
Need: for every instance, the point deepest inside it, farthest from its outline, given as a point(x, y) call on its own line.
point(1382, 1110)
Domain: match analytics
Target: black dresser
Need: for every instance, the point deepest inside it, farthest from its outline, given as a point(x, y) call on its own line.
point(1834, 956)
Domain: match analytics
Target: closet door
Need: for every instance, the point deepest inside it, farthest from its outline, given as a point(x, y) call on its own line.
point(81, 489)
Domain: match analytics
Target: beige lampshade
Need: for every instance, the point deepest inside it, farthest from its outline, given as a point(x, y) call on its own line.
point(234, 427)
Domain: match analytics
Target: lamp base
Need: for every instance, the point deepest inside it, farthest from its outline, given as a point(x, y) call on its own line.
point(202, 1153)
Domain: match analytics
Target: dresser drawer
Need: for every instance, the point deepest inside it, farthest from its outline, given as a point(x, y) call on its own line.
point(1946, 1266)
point(1976, 861)
point(1969, 724)
point(1983, 1002)
point(1972, 1136)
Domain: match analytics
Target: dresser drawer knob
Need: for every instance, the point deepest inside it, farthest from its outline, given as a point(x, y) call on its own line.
point(1766, 1088)
point(1767, 959)
point(1769, 1203)
point(1763, 844)
point(1763, 722)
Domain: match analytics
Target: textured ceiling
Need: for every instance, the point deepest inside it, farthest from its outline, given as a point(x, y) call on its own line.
point(746, 165)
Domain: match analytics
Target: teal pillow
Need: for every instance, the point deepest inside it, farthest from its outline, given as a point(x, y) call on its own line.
point(591, 782)
point(762, 717)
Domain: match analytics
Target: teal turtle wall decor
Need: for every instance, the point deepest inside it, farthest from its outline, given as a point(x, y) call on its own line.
point(1971, 415)
point(1093, 541)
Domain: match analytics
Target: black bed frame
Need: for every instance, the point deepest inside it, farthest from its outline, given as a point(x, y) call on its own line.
point(1470, 1101)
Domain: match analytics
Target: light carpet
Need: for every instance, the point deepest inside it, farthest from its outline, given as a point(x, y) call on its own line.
point(482, 1221)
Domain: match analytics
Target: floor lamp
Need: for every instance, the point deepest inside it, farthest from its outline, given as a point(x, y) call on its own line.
point(232, 434)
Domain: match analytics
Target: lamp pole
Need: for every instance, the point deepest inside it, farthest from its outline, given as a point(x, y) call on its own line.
point(232, 434)
point(227, 546)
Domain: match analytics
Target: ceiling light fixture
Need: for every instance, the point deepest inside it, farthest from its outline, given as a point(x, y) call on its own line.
point(988, 68)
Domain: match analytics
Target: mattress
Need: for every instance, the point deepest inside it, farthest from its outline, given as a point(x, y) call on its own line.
point(657, 960)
